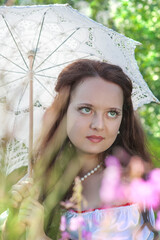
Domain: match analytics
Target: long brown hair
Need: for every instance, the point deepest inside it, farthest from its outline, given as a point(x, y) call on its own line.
point(54, 137)
point(131, 137)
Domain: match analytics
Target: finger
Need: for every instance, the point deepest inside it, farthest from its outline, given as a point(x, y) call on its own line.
point(27, 188)
point(28, 182)
point(16, 199)
point(26, 179)
point(16, 196)
point(18, 193)
point(22, 188)
point(15, 204)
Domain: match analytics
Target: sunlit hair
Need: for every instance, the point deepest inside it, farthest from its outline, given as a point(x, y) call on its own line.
point(131, 137)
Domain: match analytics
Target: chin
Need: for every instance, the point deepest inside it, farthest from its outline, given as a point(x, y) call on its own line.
point(90, 151)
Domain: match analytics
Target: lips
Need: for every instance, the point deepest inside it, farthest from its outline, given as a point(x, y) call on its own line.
point(95, 139)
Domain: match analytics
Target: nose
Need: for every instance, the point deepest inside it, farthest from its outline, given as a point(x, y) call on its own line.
point(97, 122)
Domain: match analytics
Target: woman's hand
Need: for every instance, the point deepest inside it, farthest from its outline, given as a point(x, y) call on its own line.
point(24, 196)
point(20, 191)
point(31, 217)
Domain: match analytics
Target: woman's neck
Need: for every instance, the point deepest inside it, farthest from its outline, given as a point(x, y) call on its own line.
point(89, 161)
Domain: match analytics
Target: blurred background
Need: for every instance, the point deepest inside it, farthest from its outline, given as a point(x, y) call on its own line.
point(137, 19)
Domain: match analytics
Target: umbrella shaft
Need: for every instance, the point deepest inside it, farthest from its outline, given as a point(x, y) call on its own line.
point(30, 57)
point(31, 114)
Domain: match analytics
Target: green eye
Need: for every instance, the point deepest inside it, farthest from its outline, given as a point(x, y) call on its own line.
point(85, 110)
point(112, 114)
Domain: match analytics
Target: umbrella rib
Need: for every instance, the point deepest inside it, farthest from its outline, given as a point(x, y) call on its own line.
point(11, 81)
point(58, 47)
point(14, 40)
point(4, 70)
point(38, 38)
point(43, 86)
point(40, 75)
point(61, 64)
point(12, 62)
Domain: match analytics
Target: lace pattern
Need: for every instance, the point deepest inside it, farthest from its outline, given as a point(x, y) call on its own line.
point(56, 35)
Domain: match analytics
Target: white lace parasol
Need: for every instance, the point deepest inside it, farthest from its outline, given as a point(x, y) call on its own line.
point(53, 36)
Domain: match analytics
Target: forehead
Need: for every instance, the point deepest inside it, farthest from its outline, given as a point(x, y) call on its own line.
point(97, 91)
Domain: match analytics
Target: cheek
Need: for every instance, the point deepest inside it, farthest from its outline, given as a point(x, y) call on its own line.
point(113, 127)
point(75, 133)
point(75, 121)
point(111, 133)
point(71, 127)
point(75, 125)
point(72, 124)
point(117, 126)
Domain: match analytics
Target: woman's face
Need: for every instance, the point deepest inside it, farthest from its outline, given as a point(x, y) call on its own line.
point(94, 115)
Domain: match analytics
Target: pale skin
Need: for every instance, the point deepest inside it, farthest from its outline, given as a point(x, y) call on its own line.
point(95, 109)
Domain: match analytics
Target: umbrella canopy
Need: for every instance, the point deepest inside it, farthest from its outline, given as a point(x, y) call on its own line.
point(36, 43)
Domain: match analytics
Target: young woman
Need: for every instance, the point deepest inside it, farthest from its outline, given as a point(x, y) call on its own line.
point(90, 116)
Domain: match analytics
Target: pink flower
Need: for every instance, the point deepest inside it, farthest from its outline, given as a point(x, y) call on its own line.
point(143, 192)
point(158, 221)
point(114, 188)
point(86, 235)
point(76, 223)
point(112, 161)
point(64, 236)
point(110, 186)
point(154, 178)
point(63, 224)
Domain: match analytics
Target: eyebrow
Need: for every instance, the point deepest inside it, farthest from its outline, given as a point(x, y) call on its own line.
point(91, 106)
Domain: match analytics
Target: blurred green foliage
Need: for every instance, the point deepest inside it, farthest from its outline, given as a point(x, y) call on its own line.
point(140, 20)
point(137, 19)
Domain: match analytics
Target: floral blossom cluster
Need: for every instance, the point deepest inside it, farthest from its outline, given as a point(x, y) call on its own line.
point(123, 186)
point(133, 189)
point(76, 224)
